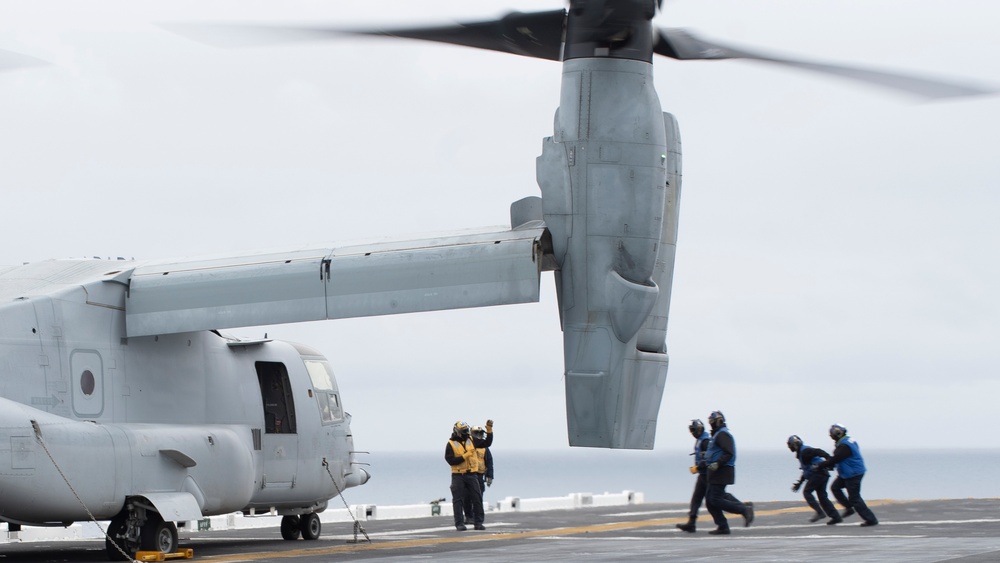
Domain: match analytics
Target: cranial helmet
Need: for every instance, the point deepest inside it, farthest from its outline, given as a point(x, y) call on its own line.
point(794, 443)
point(461, 428)
point(837, 432)
point(478, 432)
point(696, 427)
point(717, 419)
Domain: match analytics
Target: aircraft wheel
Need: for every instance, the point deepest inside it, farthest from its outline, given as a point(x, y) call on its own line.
point(290, 527)
point(116, 539)
point(158, 535)
point(310, 526)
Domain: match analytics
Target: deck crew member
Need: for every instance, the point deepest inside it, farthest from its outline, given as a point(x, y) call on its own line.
point(815, 479)
point(482, 439)
point(701, 441)
point(720, 460)
point(461, 455)
point(850, 470)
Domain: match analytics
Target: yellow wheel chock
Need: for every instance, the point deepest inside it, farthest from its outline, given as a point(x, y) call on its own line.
point(160, 556)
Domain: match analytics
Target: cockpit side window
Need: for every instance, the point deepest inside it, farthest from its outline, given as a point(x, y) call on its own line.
point(325, 389)
point(276, 393)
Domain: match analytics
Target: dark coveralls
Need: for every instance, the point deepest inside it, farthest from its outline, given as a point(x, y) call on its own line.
point(489, 469)
point(850, 469)
point(701, 484)
point(816, 479)
point(464, 484)
point(484, 472)
point(722, 450)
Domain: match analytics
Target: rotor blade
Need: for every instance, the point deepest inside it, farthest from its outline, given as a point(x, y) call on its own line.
point(683, 45)
point(10, 60)
point(535, 34)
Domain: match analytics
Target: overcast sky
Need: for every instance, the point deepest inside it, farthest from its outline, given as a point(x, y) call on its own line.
point(838, 247)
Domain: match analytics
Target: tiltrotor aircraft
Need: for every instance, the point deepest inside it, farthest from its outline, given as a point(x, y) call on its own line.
point(122, 400)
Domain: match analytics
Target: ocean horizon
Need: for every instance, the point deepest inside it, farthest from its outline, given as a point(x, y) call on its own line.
point(663, 476)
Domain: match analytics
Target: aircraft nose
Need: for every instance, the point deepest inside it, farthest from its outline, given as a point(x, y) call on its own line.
point(357, 478)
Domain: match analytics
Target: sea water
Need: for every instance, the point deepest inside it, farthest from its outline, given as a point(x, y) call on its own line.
point(663, 476)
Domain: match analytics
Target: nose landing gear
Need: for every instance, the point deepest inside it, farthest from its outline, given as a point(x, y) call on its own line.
point(308, 526)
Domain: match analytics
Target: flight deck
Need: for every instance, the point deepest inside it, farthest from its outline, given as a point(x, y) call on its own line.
point(966, 530)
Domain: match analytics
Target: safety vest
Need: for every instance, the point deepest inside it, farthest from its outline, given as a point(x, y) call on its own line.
point(807, 467)
point(467, 466)
point(699, 454)
point(715, 452)
point(854, 465)
point(481, 454)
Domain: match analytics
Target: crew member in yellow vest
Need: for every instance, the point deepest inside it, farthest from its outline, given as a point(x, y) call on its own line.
point(461, 455)
point(482, 439)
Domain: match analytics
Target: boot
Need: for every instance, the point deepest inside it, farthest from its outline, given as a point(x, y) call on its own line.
point(817, 517)
point(689, 527)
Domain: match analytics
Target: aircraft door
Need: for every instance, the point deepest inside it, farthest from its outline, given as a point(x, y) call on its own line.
point(280, 442)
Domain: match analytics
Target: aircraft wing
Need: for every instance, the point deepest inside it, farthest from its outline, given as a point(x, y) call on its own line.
point(452, 271)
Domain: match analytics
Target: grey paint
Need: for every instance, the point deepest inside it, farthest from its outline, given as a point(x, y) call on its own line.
point(114, 368)
point(444, 272)
point(603, 177)
point(167, 419)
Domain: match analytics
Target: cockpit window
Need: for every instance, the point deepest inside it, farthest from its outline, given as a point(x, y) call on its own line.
point(325, 390)
point(319, 375)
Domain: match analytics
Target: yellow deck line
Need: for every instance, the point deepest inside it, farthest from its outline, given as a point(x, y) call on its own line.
point(499, 536)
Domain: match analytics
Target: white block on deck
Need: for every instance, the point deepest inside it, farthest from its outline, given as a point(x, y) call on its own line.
point(509, 504)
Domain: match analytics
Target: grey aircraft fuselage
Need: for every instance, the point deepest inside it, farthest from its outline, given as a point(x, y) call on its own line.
point(186, 417)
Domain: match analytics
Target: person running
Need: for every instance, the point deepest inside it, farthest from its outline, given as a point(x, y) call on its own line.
point(815, 479)
point(701, 441)
point(720, 460)
point(850, 470)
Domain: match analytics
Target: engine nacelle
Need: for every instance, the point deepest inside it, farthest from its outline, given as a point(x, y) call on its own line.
point(610, 180)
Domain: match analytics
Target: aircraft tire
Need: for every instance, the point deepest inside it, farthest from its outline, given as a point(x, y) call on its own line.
point(116, 529)
point(310, 526)
point(290, 527)
point(157, 535)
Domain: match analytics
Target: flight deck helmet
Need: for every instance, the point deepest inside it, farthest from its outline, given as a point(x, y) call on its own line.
point(478, 432)
point(837, 432)
point(697, 428)
point(461, 428)
point(717, 420)
point(794, 443)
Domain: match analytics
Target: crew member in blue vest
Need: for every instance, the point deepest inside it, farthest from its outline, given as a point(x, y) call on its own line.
point(461, 455)
point(701, 441)
point(815, 479)
point(850, 469)
point(720, 460)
